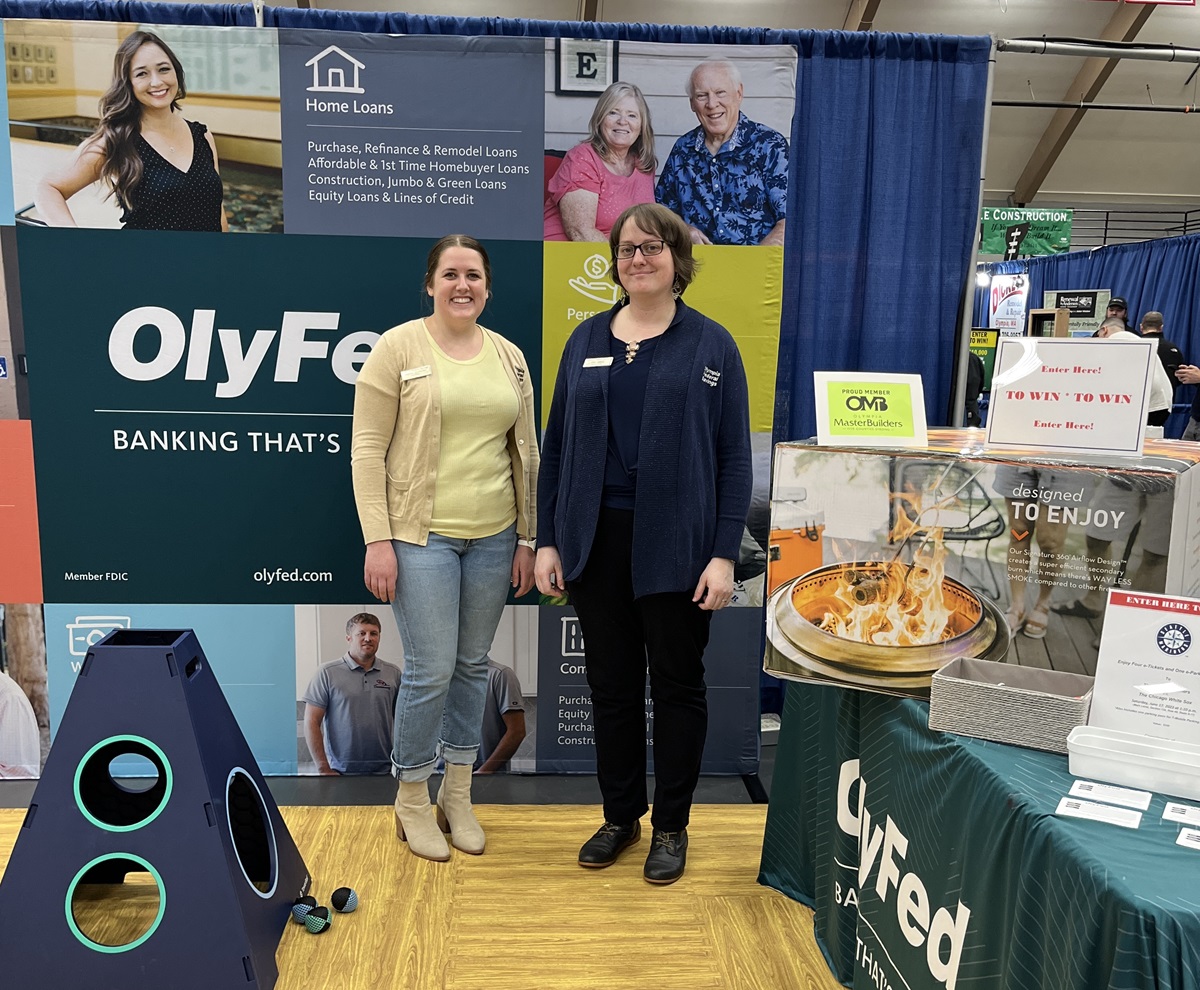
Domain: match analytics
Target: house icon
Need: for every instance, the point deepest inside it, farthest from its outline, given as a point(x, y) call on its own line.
point(335, 72)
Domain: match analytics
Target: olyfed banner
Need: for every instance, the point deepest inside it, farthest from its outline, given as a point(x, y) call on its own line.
point(197, 427)
point(191, 363)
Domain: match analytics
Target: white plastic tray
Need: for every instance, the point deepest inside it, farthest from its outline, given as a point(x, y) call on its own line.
point(1135, 760)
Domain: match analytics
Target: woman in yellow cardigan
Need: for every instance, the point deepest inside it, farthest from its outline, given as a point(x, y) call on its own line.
point(445, 464)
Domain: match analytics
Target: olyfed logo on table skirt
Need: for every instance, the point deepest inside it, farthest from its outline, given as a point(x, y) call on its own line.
point(882, 848)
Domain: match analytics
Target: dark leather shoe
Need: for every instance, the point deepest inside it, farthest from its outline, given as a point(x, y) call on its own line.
point(668, 856)
point(603, 848)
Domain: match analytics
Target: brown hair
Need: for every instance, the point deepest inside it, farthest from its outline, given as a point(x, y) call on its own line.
point(121, 118)
point(456, 240)
point(362, 619)
point(661, 222)
point(643, 147)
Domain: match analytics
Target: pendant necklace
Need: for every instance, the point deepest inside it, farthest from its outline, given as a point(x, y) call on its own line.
point(631, 349)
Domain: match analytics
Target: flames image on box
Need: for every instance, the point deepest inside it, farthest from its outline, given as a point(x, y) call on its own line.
point(887, 624)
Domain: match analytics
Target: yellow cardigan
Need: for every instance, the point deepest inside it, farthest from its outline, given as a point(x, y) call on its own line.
point(397, 433)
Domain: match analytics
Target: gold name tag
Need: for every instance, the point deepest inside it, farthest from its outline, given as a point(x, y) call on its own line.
point(600, 362)
point(410, 373)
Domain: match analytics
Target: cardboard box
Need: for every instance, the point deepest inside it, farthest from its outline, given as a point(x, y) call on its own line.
point(909, 558)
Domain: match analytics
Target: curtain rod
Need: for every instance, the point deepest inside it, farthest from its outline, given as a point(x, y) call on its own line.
point(1104, 49)
point(1067, 105)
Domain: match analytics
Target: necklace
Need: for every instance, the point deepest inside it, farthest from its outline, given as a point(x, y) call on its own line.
point(631, 349)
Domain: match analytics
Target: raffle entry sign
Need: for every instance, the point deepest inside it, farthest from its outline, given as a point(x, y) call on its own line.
point(1148, 672)
point(1086, 396)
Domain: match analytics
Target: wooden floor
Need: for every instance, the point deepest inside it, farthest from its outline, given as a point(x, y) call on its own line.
point(525, 915)
point(1069, 643)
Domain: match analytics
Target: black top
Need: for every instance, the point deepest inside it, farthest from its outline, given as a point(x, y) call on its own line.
point(1169, 355)
point(168, 199)
point(626, 397)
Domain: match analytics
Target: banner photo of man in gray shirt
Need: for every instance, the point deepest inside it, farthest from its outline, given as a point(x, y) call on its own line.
point(350, 704)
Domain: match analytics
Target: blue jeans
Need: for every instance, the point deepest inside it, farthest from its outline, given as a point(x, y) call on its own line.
point(450, 595)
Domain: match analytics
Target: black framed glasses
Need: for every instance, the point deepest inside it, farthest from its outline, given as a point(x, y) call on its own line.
point(648, 248)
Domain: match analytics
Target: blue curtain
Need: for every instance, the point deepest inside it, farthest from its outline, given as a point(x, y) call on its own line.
point(216, 14)
point(886, 146)
point(885, 169)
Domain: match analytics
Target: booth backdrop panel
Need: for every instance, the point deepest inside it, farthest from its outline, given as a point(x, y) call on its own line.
point(21, 575)
point(564, 716)
point(120, 456)
point(251, 650)
point(6, 200)
point(249, 469)
point(872, 814)
point(369, 147)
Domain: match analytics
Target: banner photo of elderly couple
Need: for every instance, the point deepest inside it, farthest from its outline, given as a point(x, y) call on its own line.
point(190, 393)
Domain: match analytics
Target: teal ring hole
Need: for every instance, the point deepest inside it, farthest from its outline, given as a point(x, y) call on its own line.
point(162, 903)
point(107, 803)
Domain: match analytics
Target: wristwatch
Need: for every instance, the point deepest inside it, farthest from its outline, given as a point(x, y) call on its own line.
point(532, 544)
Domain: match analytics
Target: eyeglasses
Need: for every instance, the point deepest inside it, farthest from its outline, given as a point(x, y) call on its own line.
point(648, 248)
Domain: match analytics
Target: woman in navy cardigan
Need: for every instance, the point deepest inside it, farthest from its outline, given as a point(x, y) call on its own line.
point(643, 493)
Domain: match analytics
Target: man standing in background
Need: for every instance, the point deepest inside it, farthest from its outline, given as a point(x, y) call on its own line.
point(1189, 374)
point(1161, 387)
point(1118, 308)
point(1168, 354)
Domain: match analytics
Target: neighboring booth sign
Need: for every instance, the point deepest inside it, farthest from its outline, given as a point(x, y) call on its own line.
point(1086, 306)
point(1071, 395)
point(1020, 232)
point(1007, 300)
point(1148, 671)
point(983, 344)
point(1048, 323)
point(869, 410)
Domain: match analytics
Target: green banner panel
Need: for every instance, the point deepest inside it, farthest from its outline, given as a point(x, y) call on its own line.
point(202, 405)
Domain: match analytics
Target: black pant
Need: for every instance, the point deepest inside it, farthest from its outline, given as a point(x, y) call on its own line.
point(620, 633)
point(1158, 418)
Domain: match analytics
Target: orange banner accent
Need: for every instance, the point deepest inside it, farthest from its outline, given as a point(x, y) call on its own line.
point(21, 570)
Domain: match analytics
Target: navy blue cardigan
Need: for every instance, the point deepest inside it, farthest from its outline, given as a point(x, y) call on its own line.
point(694, 469)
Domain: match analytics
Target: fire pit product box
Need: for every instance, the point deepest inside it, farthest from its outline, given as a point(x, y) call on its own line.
point(884, 565)
point(1024, 706)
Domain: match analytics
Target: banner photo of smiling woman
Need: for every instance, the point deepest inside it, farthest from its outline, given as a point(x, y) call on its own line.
point(159, 167)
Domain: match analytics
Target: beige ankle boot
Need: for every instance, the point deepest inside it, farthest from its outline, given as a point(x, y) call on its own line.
point(454, 813)
point(415, 823)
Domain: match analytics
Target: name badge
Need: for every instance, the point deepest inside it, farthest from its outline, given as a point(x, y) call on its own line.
point(410, 373)
point(597, 362)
